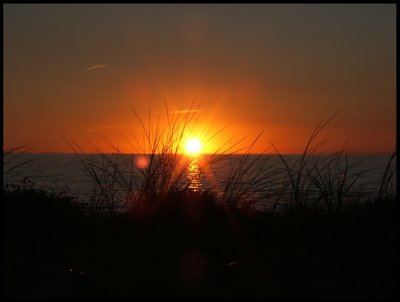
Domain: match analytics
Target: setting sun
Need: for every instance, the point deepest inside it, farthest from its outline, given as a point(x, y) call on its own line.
point(193, 146)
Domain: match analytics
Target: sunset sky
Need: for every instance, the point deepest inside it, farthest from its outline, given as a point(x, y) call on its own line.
point(76, 71)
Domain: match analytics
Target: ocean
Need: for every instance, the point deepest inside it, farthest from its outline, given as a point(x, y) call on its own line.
point(257, 176)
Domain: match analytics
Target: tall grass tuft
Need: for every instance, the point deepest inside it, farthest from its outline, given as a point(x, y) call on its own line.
point(296, 181)
point(155, 167)
point(317, 182)
point(11, 158)
point(332, 179)
point(387, 187)
point(248, 176)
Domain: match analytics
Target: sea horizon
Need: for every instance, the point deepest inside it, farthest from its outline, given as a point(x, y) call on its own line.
point(65, 172)
point(207, 154)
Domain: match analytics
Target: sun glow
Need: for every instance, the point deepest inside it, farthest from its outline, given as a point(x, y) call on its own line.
point(193, 146)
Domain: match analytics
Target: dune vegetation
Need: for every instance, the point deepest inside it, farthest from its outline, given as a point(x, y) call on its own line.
point(147, 233)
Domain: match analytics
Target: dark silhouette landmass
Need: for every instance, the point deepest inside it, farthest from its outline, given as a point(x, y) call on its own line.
point(186, 245)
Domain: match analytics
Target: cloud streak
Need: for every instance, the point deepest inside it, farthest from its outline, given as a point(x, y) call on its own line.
point(97, 66)
point(185, 111)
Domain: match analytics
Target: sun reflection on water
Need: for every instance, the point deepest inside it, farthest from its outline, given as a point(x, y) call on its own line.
point(194, 175)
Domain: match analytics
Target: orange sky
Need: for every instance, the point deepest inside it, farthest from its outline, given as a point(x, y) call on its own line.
point(77, 70)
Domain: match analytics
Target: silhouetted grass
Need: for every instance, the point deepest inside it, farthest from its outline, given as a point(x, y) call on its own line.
point(190, 247)
point(11, 158)
point(328, 182)
point(172, 241)
point(120, 181)
point(162, 169)
point(387, 186)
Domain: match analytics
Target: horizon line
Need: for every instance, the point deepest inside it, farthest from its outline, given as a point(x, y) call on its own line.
point(207, 154)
